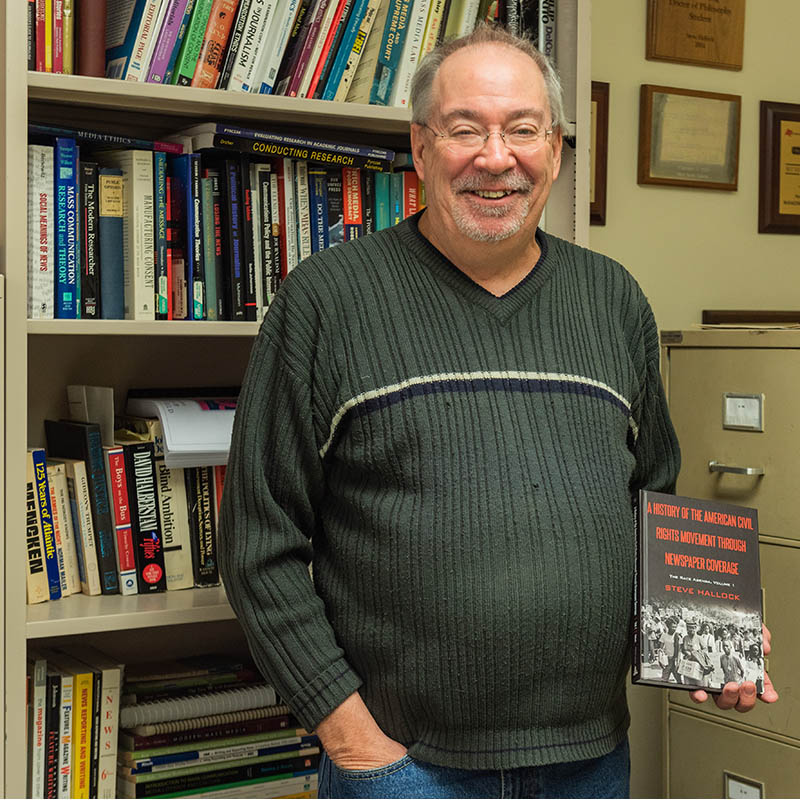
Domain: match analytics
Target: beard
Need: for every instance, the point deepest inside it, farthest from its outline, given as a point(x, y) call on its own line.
point(491, 224)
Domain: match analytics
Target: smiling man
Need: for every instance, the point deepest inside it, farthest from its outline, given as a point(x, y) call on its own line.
point(451, 417)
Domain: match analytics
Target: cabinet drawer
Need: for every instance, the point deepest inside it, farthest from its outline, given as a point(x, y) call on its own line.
point(780, 577)
point(700, 752)
point(698, 378)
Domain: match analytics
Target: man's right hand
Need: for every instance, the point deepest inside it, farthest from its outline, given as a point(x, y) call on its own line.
point(353, 740)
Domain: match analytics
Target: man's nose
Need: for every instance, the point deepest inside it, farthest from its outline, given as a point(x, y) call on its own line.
point(495, 156)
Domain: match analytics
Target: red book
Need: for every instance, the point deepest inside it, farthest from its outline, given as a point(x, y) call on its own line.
point(410, 193)
point(326, 47)
point(308, 46)
point(215, 41)
point(353, 205)
point(41, 41)
point(121, 512)
point(219, 483)
point(58, 36)
point(90, 50)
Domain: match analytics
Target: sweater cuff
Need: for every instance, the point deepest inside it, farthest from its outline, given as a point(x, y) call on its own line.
point(325, 693)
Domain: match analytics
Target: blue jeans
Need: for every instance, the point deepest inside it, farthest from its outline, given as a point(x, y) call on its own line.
point(607, 776)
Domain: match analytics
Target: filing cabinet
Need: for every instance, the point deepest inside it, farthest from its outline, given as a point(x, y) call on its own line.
point(734, 398)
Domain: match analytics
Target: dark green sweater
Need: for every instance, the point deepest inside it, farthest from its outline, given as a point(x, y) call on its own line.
point(461, 467)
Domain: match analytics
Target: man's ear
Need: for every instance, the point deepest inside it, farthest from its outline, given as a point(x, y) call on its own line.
point(557, 141)
point(418, 146)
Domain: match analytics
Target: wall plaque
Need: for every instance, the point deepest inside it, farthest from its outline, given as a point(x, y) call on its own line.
point(709, 33)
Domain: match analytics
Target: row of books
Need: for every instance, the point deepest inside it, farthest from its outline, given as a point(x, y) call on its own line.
point(111, 519)
point(204, 227)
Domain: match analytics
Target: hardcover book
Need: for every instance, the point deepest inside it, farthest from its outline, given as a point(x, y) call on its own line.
point(697, 604)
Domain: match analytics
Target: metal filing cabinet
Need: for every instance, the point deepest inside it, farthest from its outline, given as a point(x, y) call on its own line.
point(735, 401)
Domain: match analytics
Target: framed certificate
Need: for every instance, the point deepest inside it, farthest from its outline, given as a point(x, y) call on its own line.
point(688, 138)
point(599, 154)
point(779, 168)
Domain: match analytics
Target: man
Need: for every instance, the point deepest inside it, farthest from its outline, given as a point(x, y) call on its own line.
point(693, 652)
point(671, 644)
point(731, 664)
point(452, 416)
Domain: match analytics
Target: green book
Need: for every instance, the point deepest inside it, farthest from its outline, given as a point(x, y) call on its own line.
point(190, 47)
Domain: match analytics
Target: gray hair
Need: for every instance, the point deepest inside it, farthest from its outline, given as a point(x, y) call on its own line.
point(421, 98)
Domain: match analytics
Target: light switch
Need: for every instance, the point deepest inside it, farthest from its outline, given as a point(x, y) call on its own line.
point(743, 412)
point(738, 787)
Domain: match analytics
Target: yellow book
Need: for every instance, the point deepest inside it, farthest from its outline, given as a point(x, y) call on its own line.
point(68, 11)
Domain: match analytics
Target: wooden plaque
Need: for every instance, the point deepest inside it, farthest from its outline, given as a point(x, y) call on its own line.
point(709, 33)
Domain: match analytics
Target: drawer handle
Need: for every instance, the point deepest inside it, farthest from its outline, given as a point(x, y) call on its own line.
point(715, 466)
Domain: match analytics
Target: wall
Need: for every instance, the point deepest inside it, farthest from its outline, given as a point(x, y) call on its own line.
point(694, 248)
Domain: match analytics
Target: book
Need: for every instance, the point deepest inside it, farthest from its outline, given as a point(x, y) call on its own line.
point(142, 50)
point(167, 36)
point(318, 202)
point(263, 237)
point(304, 786)
point(394, 36)
point(547, 28)
point(66, 228)
point(322, 45)
point(65, 730)
point(138, 230)
point(41, 242)
point(63, 526)
point(210, 253)
point(37, 670)
point(90, 291)
point(215, 41)
point(111, 212)
point(182, 31)
point(410, 57)
point(330, 51)
point(260, 17)
point(461, 18)
point(202, 525)
point(433, 25)
point(199, 705)
point(40, 25)
point(382, 200)
point(58, 36)
point(303, 210)
point(81, 440)
point(368, 201)
point(335, 208)
point(214, 253)
point(360, 72)
point(31, 33)
point(162, 287)
point(237, 21)
point(342, 53)
point(121, 31)
point(289, 84)
point(697, 590)
point(248, 255)
point(90, 48)
point(37, 467)
point(290, 212)
point(66, 588)
point(352, 214)
point(117, 477)
point(100, 140)
point(280, 40)
point(192, 42)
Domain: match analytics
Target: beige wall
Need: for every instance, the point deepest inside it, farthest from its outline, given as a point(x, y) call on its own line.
point(694, 248)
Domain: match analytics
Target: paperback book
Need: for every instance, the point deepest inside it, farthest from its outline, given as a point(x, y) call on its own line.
point(697, 604)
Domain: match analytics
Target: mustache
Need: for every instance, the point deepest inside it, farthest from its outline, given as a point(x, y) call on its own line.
point(513, 182)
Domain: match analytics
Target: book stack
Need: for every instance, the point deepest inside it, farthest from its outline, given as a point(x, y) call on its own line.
point(114, 518)
point(209, 727)
point(202, 227)
point(73, 701)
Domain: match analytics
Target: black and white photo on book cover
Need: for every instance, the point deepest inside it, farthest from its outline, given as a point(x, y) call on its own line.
point(697, 601)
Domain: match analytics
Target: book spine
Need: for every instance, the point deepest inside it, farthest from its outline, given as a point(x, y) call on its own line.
point(165, 43)
point(176, 48)
point(547, 28)
point(314, 22)
point(94, 746)
point(318, 202)
point(394, 36)
point(65, 736)
point(81, 507)
point(58, 36)
point(364, 60)
point(290, 211)
point(212, 51)
point(148, 28)
point(410, 54)
point(236, 33)
point(48, 36)
point(90, 242)
point(83, 708)
point(170, 246)
point(233, 220)
point(56, 474)
point(264, 239)
point(109, 730)
point(90, 48)
point(39, 727)
point(182, 214)
point(68, 62)
point(206, 194)
point(176, 276)
point(330, 52)
point(512, 17)
point(280, 44)
point(335, 208)
point(198, 282)
point(368, 201)
point(192, 42)
point(31, 30)
point(410, 193)
point(160, 211)
point(41, 285)
point(255, 243)
point(322, 45)
point(432, 27)
point(223, 293)
point(44, 510)
point(639, 539)
point(110, 227)
point(352, 204)
point(143, 493)
point(342, 89)
point(120, 506)
point(345, 48)
point(52, 732)
point(200, 494)
point(396, 198)
point(57, 533)
point(303, 211)
point(37, 582)
point(66, 211)
point(243, 68)
point(382, 200)
point(275, 214)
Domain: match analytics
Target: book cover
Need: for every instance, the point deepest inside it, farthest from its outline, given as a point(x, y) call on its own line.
point(121, 509)
point(90, 242)
point(189, 51)
point(112, 253)
point(81, 440)
point(45, 519)
point(62, 517)
point(215, 43)
point(697, 610)
point(66, 228)
point(122, 28)
point(41, 244)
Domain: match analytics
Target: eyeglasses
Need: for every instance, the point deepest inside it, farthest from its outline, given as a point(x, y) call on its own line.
point(524, 137)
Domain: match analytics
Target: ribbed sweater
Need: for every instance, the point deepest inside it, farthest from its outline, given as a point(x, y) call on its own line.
point(461, 468)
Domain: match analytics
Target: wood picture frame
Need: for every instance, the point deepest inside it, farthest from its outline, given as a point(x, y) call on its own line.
point(689, 138)
point(598, 176)
point(779, 168)
point(698, 33)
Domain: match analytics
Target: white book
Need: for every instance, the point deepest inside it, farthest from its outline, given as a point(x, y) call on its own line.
point(547, 28)
point(148, 31)
point(303, 210)
point(432, 27)
point(316, 51)
point(138, 231)
point(263, 173)
point(463, 21)
point(62, 524)
point(350, 68)
point(111, 673)
point(258, 15)
point(39, 690)
point(81, 507)
point(275, 208)
point(410, 56)
point(362, 80)
point(275, 43)
point(285, 787)
point(255, 228)
point(290, 211)
point(41, 276)
point(65, 733)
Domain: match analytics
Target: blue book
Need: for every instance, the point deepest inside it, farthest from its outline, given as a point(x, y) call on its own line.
point(112, 253)
point(66, 223)
point(396, 198)
point(318, 206)
point(345, 47)
point(118, 53)
point(382, 200)
point(392, 43)
point(46, 520)
point(232, 214)
point(160, 202)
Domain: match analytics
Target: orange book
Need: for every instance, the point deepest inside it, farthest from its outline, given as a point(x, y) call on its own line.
point(215, 41)
point(410, 193)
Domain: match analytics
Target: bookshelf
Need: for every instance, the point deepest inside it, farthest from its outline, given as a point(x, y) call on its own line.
point(41, 357)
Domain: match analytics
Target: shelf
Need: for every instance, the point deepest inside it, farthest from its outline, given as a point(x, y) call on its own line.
point(79, 613)
point(113, 327)
point(185, 101)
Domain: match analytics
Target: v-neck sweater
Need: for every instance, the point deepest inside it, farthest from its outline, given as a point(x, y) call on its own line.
point(460, 467)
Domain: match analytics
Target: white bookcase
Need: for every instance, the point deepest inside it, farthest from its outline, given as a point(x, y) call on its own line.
point(41, 357)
